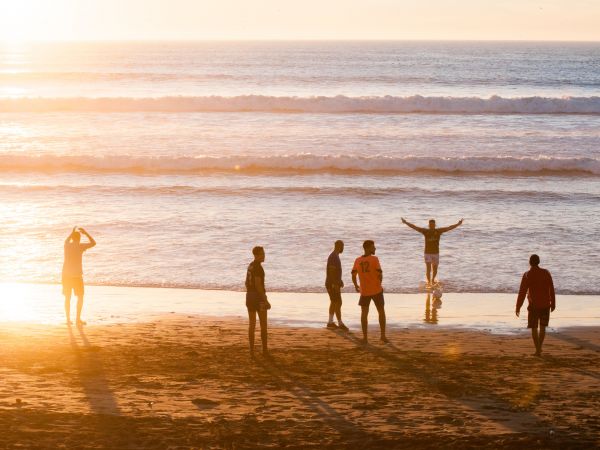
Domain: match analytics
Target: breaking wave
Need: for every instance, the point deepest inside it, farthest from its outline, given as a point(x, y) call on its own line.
point(338, 104)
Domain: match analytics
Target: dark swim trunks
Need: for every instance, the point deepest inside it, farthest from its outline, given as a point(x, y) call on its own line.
point(365, 300)
point(335, 296)
point(536, 315)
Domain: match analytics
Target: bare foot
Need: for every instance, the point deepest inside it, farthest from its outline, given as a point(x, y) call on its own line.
point(69, 323)
point(384, 340)
point(81, 322)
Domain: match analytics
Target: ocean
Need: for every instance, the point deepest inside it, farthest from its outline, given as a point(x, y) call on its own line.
point(180, 157)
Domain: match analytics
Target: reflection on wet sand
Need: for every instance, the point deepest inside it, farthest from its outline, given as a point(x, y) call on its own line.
point(431, 309)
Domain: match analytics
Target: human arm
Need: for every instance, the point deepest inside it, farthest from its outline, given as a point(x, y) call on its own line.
point(413, 226)
point(354, 274)
point(522, 293)
point(552, 294)
point(451, 227)
point(91, 243)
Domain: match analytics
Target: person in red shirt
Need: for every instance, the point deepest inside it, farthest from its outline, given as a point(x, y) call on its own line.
point(538, 287)
point(369, 272)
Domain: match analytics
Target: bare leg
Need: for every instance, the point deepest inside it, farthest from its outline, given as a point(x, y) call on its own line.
point(331, 308)
point(541, 337)
point(262, 317)
point(68, 307)
point(338, 312)
point(364, 321)
point(435, 269)
point(536, 340)
point(381, 311)
point(428, 272)
point(79, 308)
point(251, 327)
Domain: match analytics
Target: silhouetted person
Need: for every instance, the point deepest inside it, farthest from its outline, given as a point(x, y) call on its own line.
point(334, 285)
point(256, 299)
point(432, 245)
point(538, 286)
point(369, 273)
point(72, 272)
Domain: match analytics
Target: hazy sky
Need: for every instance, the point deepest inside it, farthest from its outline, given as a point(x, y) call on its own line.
point(301, 19)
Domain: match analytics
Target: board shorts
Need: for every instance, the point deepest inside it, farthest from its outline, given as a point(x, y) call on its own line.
point(432, 258)
point(72, 284)
point(254, 302)
point(537, 315)
point(335, 296)
point(365, 300)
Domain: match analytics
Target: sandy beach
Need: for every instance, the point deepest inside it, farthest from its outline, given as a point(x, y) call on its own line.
point(188, 382)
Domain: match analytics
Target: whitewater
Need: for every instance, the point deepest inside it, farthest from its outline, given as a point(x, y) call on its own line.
point(179, 157)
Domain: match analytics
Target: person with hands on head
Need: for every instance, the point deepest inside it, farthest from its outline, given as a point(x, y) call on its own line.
point(256, 299)
point(432, 246)
point(368, 270)
point(72, 272)
point(537, 285)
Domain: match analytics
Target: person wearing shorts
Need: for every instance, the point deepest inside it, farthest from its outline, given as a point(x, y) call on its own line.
point(256, 299)
point(432, 246)
point(334, 285)
point(72, 271)
point(537, 285)
point(368, 270)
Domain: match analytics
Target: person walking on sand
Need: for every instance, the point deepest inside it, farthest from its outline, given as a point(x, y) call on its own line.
point(432, 246)
point(334, 285)
point(369, 272)
point(538, 286)
point(256, 299)
point(72, 272)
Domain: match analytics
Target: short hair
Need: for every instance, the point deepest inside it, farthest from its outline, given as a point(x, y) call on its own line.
point(431, 220)
point(534, 260)
point(257, 250)
point(338, 243)
point(76, 236)
point(368, 243)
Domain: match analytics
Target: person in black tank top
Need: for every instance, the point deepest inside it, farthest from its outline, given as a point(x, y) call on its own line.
point(256, 299)
point(432, 246)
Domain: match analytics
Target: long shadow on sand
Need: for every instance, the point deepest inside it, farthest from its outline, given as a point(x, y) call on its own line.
point(323, 410)
point(91, 376)
point(576, 341)
point(520, 421)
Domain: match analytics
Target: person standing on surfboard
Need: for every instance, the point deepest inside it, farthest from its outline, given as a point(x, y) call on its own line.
point(432, 246)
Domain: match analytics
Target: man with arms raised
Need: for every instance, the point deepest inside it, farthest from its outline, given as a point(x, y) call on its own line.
point(72, 272)
point(334, 285)
point(432, 246)
point(538, 286)
point(256, 299)
point(369, 272)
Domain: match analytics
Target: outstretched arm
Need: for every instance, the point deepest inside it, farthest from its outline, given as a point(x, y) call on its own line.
point(413, 226)
point(451, 227)
point(92, 242)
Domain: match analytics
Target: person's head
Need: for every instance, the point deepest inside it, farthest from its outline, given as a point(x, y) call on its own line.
point(76, 237)
point(339, 246)
point(432, 224)
point(534, 260)
point(259, 253)
point(369, 247)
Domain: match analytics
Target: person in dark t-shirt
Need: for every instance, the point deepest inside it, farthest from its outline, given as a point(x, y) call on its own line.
point(538, 287)
point(432, 245)
point(256, 299)
point(334, 284)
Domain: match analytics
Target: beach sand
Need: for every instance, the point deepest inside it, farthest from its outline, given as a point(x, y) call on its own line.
point(187, 382)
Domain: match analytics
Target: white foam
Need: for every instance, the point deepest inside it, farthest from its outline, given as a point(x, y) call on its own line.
point(338, 104)
point(301, 162)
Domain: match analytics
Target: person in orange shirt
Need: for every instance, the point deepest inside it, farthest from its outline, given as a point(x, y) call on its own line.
point(369, 272)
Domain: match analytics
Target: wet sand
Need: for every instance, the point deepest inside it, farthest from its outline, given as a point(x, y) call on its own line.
point(184, 382)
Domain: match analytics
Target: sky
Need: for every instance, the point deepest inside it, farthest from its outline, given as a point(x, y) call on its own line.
point(57, 20)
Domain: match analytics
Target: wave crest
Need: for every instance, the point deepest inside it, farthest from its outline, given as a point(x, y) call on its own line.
point(338, 104)
point(302, 162)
